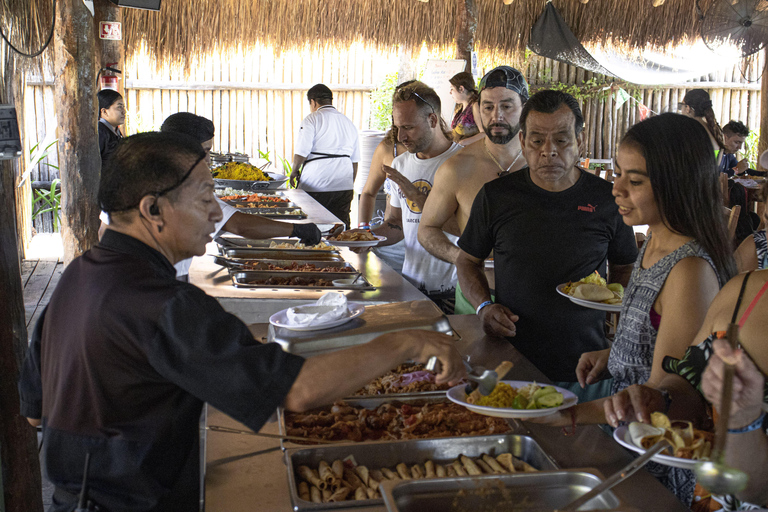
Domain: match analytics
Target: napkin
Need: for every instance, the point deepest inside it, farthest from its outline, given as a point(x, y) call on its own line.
point(331, 306)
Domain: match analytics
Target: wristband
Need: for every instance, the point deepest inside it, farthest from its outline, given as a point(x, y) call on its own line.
point(481, 306)
point(755, 425)
point(363, 225)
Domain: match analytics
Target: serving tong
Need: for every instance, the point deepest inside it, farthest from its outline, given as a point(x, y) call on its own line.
point(485, 381)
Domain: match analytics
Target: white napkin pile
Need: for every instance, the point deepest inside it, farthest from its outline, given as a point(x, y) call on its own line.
point(331, 306)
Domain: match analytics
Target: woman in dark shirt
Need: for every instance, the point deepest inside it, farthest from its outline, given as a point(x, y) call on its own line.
point(111, 116)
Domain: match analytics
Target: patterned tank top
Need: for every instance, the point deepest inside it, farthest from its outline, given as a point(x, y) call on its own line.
point(761, 245)
point(631, 356)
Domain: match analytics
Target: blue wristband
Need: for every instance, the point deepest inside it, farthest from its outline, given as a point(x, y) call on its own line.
point(481, 306)
point(755, 425)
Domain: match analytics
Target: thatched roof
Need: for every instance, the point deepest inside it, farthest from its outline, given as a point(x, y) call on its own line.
point(184, 29)
point(27, 24)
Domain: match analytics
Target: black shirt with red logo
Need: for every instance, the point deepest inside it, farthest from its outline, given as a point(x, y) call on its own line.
point(120, 365)
point(541, 239)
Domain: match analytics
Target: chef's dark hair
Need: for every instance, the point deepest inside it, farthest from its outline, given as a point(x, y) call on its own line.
point(107, 98)
point(149, 163)
point(549, 101)
point(321, 94)
point(197, 127)
point(685, 182)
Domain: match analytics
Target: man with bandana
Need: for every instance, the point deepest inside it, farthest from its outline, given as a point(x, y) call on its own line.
point(503, 92)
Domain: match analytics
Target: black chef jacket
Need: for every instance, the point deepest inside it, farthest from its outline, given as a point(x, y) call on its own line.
point(120, 364)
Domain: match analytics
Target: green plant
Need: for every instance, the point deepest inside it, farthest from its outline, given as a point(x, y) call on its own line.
point(287, 169)
point(381, 103)
point(37, 154)
point(50, 201)
point(264, 155)
point(750, 148)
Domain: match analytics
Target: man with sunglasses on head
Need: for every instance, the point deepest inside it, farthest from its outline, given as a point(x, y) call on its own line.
point(503, 92)
point(326, 155)
point(125, 355)
point(421, 129)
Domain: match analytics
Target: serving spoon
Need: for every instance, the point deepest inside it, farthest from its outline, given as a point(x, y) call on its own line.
point(715, 475)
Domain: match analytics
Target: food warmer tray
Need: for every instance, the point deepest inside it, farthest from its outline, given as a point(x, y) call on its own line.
point(263, 265)
point(277, 181)
point(413, 451)
point(515, 492)
point(269, 204)
point(248, 278)
point(249, 243)
point(299, 255)
point(376, 320)
point(367, 403)
point(283, 213)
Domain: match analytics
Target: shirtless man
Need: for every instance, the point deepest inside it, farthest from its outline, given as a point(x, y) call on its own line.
point(503, 91)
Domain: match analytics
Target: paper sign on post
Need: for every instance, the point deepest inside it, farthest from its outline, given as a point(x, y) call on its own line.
point(110, 30)
point(436, 75)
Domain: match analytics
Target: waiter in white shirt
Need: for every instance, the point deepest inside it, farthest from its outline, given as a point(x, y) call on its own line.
point(327, 153)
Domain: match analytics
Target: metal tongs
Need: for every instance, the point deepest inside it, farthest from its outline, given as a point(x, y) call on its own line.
point(486, 381)
point(229, 263)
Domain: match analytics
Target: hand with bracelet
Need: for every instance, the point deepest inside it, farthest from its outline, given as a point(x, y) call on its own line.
point(497, 320)
point(748, 387)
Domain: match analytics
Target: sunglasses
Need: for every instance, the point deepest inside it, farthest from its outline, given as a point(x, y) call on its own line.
point(408, 94)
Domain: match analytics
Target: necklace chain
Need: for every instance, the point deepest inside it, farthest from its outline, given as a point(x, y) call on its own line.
point(503, 170)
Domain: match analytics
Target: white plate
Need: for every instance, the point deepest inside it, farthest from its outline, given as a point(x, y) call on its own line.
point(621, 435)
point(614, 308)
point(456, 394)
point(358, 243)
point(354, 310)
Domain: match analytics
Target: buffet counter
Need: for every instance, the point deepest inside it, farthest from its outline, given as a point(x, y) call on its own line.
point(247, 473)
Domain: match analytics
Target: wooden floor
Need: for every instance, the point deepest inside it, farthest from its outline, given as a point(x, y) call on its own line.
point(39, 278)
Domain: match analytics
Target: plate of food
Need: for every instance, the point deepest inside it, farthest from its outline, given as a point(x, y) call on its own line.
point(688, 446)
point(516, 399)
point(356, 238)
point(593, 292)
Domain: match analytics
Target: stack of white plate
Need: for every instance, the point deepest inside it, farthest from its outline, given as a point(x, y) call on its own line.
point(369, 139)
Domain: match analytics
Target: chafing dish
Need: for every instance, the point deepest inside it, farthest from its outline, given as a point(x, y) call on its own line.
point(416, 451)
point(517, 492)
point(282, 212)
point(263, 265)
point(257, 278)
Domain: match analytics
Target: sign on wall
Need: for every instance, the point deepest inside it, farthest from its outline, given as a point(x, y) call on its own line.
point(110, 30)
point(436, 75)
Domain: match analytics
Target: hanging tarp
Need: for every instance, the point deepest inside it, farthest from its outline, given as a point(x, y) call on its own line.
point(551, 37)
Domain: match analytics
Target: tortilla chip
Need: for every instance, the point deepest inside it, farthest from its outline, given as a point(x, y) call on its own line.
point(659, 419)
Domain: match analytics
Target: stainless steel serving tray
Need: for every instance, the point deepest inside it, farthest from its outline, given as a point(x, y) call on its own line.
point(280, 254)
point(413, 451)
point(516, 492)
point(263, 265)
point(269, 204)
point(367, 403)
point(283, 213)
point(250, 278)
point(249, 243)
point(376, 320)
point(277, 181)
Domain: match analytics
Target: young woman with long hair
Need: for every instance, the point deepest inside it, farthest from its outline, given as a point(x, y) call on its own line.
point(665, 177)
point(697, 104)
point(467, 111)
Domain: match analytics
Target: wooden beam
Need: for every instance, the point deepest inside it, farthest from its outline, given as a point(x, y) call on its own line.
point(79, 159)
point(22, 488)
point(466, 25)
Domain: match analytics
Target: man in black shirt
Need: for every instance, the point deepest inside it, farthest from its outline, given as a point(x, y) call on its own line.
point(124, 355)
point(547, 224)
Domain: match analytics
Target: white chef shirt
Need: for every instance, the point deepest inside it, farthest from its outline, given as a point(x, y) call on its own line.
point(327, 131)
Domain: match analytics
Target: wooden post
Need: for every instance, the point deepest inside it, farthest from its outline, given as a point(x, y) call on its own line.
point(763, 144)
point(79, 159)
point(108, 50)
point(22, 488)
point(466, 25)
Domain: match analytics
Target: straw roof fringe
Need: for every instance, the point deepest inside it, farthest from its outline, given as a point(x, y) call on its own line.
point(186, 29)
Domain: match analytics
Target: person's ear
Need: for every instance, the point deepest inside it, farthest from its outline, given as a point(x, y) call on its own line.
point(433, 120)
point(581, 140)
point(149, 210)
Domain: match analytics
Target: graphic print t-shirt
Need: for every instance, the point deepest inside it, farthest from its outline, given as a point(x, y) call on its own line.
point(427, 273)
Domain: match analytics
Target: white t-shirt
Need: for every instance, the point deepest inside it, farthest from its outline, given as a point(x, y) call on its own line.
point(327, 131)
point(182, 267)
point(429, 274)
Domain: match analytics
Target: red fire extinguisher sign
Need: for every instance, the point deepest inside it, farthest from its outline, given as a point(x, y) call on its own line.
point(110, 30)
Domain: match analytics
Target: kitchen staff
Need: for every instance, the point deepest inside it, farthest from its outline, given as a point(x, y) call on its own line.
point(124, 355)
point(327, 153)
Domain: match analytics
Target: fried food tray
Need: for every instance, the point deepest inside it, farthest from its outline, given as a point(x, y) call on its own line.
point(376, 320)
point(367, 403)
point(263, 265)
point(250, 278)
point(281, 254)
point(413, 451)
point(516, 492)
point(269, 203)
